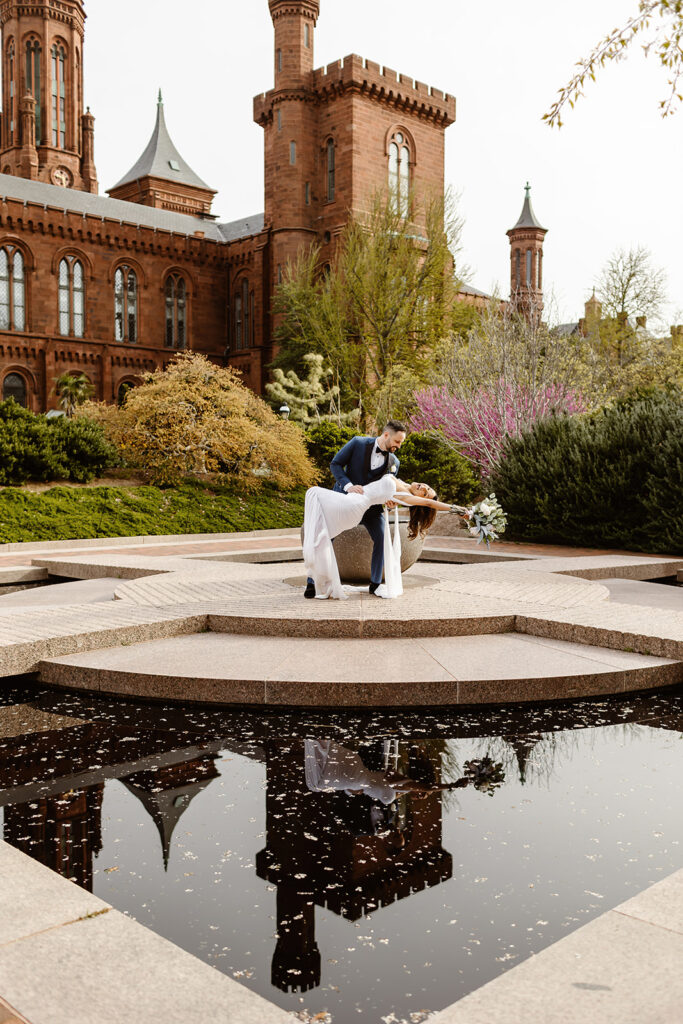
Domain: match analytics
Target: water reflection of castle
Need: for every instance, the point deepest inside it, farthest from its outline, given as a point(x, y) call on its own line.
point(63, 830)
point(328, 849)
point(337, 850)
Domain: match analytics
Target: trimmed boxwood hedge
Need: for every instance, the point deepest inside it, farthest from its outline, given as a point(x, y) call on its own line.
point(611, 479)
point(35, 448)
point(65, 513)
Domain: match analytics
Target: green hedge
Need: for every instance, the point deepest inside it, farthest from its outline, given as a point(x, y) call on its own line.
point(323, 442)
point(613, 479)
point(65, 513)
point(423, 457)
point(35, 448)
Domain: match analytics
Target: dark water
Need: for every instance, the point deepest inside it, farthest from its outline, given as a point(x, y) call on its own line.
point(203, 827)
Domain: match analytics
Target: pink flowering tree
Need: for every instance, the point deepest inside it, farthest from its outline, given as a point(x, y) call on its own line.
point(505, 376)
point(478, 425)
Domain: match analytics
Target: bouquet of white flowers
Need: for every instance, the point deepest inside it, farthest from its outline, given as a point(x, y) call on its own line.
point(487, 518)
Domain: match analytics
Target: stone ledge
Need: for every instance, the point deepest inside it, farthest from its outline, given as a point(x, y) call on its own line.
point(21, 574)
point(71, 958)
point(150, 538)
point(618, 969)
point(228, 669)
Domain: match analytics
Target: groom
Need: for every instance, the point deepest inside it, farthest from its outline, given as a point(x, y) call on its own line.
point(361, 461)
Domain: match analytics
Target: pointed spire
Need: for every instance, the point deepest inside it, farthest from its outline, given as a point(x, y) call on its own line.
point(161, 159)
point(527, 218)
point(167, 793)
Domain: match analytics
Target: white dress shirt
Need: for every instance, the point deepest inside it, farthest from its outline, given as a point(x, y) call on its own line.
point(376, 462)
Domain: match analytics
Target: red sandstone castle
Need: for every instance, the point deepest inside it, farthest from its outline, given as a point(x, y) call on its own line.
point(111, 287)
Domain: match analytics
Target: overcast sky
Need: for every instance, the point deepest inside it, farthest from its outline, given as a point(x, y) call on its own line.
point(609, 178)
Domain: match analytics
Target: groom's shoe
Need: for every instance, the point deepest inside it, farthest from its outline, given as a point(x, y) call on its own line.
point(310, 590)
point(373, 587)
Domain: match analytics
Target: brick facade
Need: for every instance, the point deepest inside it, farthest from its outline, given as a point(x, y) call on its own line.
point(194, 283)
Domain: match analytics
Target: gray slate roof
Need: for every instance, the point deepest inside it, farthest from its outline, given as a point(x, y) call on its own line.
point(469, 289)
point(235, 229)
point(565, 330)
point(162, 160)
point(527, 218)
point(103, 207)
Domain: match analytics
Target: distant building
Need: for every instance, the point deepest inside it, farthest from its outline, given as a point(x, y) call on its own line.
point(113, 286)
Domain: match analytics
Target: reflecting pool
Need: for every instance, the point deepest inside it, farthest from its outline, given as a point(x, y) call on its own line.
point(317, 858)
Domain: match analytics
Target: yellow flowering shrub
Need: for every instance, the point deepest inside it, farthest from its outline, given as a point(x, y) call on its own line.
point(195, 418)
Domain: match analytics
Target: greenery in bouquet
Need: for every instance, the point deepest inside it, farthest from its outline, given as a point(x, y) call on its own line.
point(487, 519)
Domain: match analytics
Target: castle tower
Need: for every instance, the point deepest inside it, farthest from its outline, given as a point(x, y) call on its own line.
point(163, 179)
point(526, 262)
point(44, 134)
point(589, 324)
point(289, 119)
point(335, 136)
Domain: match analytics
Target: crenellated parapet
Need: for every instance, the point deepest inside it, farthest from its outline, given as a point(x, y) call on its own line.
point(355, 73)
point(382, 84)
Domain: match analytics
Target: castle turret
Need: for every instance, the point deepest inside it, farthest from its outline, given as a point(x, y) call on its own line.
point(43, 59)
point(294, 22)
point(162, 178)
point(526, 262)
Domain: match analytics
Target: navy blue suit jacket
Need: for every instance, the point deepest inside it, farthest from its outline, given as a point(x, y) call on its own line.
point(351, 465)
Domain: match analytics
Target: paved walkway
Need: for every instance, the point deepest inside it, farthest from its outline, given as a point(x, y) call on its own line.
point(74, 634)
point(541, 624)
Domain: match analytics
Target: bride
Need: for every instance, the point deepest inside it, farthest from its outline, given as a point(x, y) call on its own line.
point(329, 513)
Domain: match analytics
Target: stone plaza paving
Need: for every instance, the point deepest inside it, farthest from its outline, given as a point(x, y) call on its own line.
point(222, 620)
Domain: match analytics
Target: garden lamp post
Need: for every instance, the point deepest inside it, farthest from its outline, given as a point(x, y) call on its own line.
point(284, 412)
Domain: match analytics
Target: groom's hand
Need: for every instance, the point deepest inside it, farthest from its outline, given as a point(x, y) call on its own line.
point(355, 489)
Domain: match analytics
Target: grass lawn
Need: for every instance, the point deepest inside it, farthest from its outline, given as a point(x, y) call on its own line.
point(67, 513)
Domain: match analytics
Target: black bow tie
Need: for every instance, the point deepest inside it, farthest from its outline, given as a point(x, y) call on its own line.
point(378, 451)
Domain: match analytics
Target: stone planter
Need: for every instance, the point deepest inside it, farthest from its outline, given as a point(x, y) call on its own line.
point(354, 552)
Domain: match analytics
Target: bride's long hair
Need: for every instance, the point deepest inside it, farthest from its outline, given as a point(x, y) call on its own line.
point(421, 520)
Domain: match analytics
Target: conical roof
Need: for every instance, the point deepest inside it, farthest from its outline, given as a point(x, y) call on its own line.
point(166, 794)
point(162, 160)
point(527, 218)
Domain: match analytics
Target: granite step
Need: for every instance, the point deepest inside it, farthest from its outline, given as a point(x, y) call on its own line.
point(223, 668)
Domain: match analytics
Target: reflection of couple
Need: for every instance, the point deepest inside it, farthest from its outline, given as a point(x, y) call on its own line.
point(366, 474)
point(331, 767)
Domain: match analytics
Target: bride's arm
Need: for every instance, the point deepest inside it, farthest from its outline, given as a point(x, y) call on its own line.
point(413, 499)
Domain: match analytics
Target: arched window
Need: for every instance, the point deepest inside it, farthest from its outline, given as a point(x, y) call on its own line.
point(238, 320)
point(246, 314)
point(58, 97)
point(12, 93)
point(539, 265)
point(33, 55)
point(14, 386)
point(331, 170)
point(176, 311)
point(125, 305)
point(399, 173)
point(518, 267)
point(244, 305)
point(71, 290)
point(12, 290)
point(529, 283)
point(307, 35)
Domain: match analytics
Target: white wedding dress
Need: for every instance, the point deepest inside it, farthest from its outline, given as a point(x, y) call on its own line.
point(330, 767)
point(329, 513)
